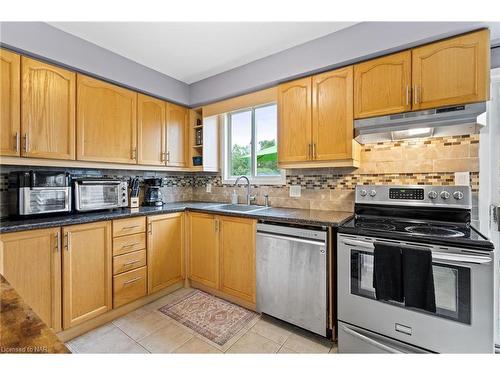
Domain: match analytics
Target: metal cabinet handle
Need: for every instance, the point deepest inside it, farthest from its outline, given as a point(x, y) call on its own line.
point(408, 94)
point(130, 245)
point(371, 341)
point(315, 152)
point(168, 156)
point(57, 248)
point(150, 228)
point(162, 156)
point(310, 151)
point(131, 227)
point(68, 241)
point(16, 140)
point(132, 281)
point(25, 137)
point(416, 92)
point(134, 153)
point(130, 263)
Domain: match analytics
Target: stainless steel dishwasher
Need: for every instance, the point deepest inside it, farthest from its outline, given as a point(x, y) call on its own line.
point(292, 275)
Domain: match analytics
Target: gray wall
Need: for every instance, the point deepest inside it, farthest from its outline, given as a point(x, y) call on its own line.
point(42, 40)
point(361, 41)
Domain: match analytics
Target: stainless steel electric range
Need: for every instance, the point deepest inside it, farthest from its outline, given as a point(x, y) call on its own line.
point(423, 221)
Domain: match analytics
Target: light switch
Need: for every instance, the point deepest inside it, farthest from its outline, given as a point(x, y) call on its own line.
point(295, 191)
point(209, 187)
point(462, 178)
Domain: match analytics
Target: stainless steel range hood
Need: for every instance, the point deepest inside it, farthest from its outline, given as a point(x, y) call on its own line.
point(456, 120)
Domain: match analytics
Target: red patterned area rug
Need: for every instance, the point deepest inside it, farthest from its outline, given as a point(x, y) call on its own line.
point(211, 317)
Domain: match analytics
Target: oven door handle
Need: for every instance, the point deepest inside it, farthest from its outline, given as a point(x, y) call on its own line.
point(475, 259)
point(357, 243)
point(371, 341)
point(97, 182)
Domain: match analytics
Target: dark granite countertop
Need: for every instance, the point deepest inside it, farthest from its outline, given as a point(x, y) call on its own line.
point(288, 215)
point(21, 330)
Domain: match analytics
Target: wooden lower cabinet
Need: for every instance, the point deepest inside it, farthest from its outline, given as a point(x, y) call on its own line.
point(237, 257)
point(129, 286)
point(31, 263)
point(203, 249)
point(165, 249)
point(222, 254)
point(87, 272)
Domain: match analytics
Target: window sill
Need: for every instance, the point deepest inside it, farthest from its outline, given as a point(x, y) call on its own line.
point(278, 180)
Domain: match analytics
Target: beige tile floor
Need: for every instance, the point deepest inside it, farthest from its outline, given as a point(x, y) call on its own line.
point(146, 330)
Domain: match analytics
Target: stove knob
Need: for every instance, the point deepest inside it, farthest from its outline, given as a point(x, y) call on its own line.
point(445, 195)
point(373, 193)
point(363, 193)
point(432, 195)
point(458, 195)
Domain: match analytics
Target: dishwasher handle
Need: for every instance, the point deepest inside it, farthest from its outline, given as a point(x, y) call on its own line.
point(291, 238)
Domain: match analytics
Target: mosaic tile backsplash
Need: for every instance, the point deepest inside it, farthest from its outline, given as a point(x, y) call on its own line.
point(429, 161)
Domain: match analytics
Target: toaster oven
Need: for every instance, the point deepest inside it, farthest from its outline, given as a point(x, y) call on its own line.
point(99, 193)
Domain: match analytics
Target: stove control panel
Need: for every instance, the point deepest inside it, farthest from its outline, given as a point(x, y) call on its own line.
point(415, 195)
point(403, 193)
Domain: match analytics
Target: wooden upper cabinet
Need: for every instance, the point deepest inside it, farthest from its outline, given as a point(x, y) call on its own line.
point(10, 124)
point(332, 115)
point(165, 250)
point(47, 111)
point(87, 272)
point(294, 121)
point(453, 71)
point(203, 249)
point(177, 135)
point(151, 122)
point(106, 122)
point(31, 263)
point(383, 86)
point(237, 253)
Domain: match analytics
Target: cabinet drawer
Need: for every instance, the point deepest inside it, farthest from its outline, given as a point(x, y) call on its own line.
point(127, 244)
point(130, 261)
point(129, 286)
point(133, 225)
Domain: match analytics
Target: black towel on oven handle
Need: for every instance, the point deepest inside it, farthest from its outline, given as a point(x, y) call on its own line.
point(418, 279)
point(387, 272)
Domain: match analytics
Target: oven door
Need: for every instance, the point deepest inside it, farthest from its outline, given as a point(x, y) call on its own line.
point(97, 195)
point(463, 286)
point(42, 200)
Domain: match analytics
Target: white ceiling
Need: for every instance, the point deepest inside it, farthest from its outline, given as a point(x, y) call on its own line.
point(192, 51)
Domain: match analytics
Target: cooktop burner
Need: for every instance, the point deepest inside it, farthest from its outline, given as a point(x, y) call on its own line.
point(424, 230)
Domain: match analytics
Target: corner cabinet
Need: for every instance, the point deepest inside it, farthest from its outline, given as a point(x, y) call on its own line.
point(47, 111)
point(31, 263)
point(383, 86)
point(315, 122)
point(10, 103)
point(165, 250)
point(453, 71)
point(294, 121)
point(87, 272)
point(177, 136)
point(151, 123)
point(106, 122)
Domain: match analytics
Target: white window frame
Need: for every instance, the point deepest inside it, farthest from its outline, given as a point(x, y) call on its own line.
point(225, 151)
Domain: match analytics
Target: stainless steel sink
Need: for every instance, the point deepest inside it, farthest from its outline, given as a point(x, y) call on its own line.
point(239, 207)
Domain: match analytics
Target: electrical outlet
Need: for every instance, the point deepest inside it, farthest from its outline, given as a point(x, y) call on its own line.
point(295, 191)
point(209, 188)
point(462, 178)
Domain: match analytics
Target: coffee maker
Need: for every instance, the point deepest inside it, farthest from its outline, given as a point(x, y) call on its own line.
point(153, 195)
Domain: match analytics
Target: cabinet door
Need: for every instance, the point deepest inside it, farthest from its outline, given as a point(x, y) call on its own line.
point(150, 130)
point(454, 71)
point(237, 252)
point(31, 263)
point(10, 103)
point(106, 122)
point(332, 115)
point(203, 249)
point(47, 111)
point(177, 123)
point(294, 121)
point(87, 272)
point(211, 144)
point(383, 86)
point(165, 251)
